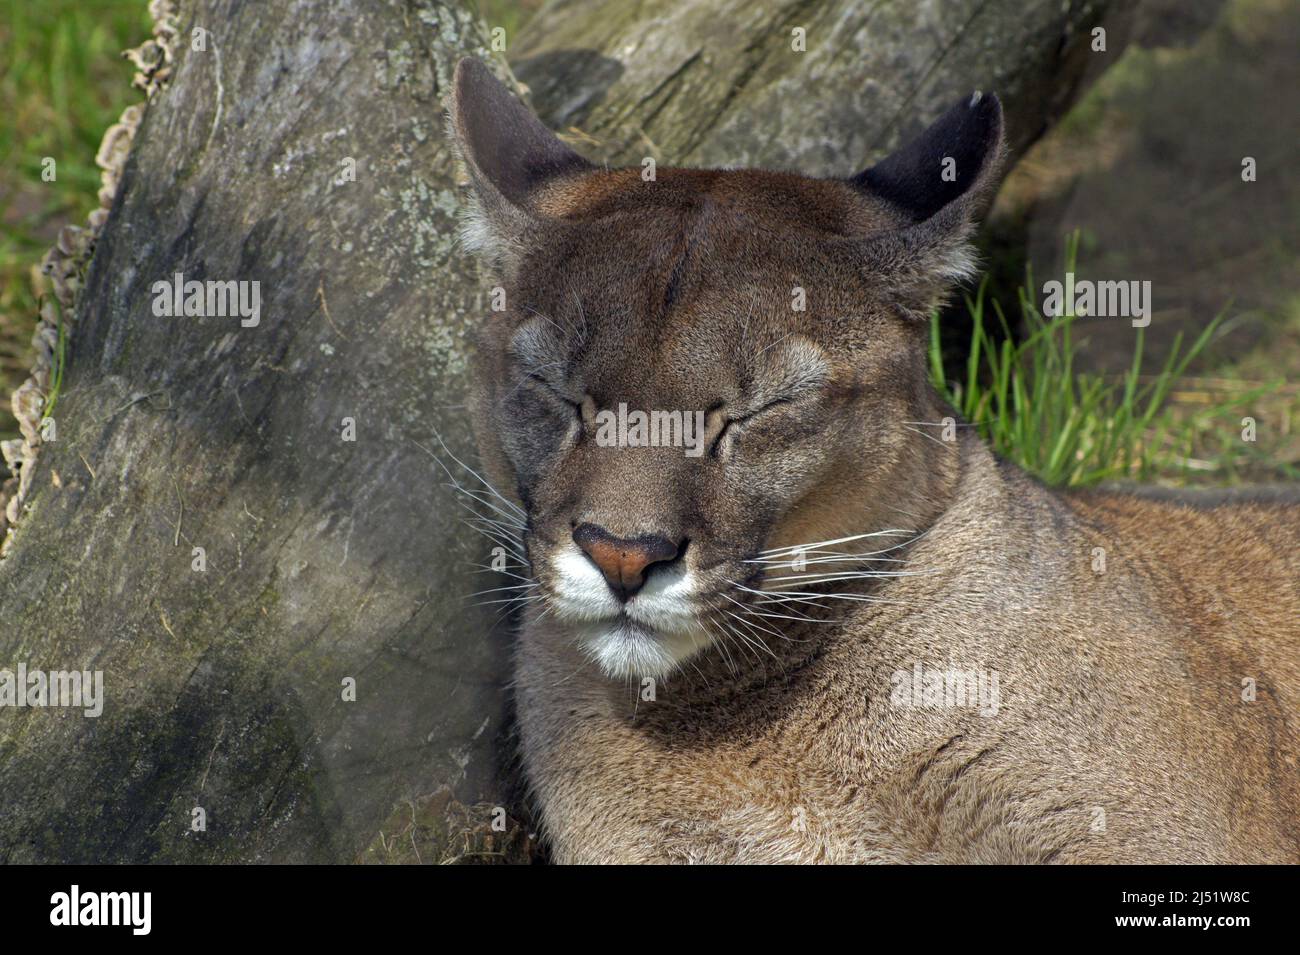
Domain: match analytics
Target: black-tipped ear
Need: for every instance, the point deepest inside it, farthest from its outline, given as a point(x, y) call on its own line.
point(957, 156)
point(933, 188)
point(508, 152)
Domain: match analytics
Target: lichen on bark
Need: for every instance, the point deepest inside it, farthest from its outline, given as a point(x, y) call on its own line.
point(324, 559)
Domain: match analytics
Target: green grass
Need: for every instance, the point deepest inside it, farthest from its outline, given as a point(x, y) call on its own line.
point(63, 82)
point(1073, 428)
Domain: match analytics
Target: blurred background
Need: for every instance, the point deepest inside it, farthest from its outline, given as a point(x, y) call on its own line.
point(1142, 174)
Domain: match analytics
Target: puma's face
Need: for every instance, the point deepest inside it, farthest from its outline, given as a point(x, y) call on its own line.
point(694, 376)
point(767, 371)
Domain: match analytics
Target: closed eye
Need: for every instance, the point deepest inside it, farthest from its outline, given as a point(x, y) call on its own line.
point(552, 390)
point(554, 396)
point(732, 424)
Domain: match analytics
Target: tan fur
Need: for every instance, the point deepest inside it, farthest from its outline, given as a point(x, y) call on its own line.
point(1125, 632)
point(1121, 693)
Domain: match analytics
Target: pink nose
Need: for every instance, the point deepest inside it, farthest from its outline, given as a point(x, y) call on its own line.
point(623, 561)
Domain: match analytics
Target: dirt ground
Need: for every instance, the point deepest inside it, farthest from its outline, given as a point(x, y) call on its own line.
point(1148, 166)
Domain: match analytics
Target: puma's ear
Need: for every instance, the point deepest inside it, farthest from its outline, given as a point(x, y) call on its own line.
point(934, 186)
point(509, 155)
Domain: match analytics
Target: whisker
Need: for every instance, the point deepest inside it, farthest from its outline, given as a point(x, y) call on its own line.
point(508, 600)
point(838, 559)
point(725, 649)
point(838, 540)
point(850, 575)
point(925, 434)
point(494, 590)
point(800, 619)
point(514, 531)
point(488, 569)
point(798, 597)
point(549, 320)
point(514, 508)
point(751, 642)
point(506, 544)
point(776, 633)
point(507, 519)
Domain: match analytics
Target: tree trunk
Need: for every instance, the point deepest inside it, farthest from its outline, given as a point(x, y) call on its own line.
point(326, 559)
point(720, 83)
point(323, 559)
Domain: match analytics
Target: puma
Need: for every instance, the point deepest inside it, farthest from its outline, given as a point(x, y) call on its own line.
point(833, 635)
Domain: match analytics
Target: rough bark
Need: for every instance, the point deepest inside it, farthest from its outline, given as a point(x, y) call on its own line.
point(718, 83)
point(328, 559)
point(325, 559)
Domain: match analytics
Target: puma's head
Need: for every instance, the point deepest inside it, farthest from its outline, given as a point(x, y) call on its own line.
point(697, 374)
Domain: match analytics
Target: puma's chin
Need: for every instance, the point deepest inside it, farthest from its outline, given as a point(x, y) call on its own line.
point(649, 635)
point(628, 650)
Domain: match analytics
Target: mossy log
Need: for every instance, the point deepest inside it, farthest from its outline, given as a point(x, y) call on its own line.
point(200, 528)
